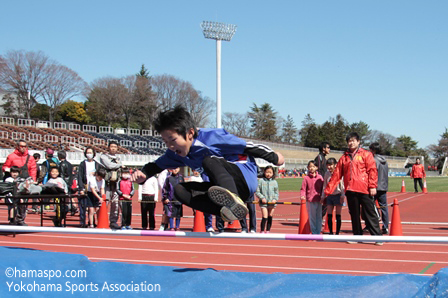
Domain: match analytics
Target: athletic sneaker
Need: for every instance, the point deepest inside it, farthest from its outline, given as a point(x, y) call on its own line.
point(385, 231)
point(210, 230)
point(233, 208)
point(244, 232)
point(352, 242)
point(128, 228)
point(379, 243)
point(123, 228)
point(162, 228)
point(253, 231)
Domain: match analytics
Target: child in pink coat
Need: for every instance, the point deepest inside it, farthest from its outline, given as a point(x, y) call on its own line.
point(312, 191)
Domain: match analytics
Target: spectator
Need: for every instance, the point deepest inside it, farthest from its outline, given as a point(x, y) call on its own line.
point(14, 178)
point(312, 191)
point(86, 171)
point(418, 173)
point(21, 158)
point(35, 208)
point(267, 192)
point(357, 167)
point(321, 163)
point(28, 169)
point(60, 203)
point(208, 218)
point(50, 162)
point(112, 163)
point(125, 191)
point(148, 194)
point(172, 208)
point(383, 185)
point(336, 199)
point(95, 192)
point(66, 173)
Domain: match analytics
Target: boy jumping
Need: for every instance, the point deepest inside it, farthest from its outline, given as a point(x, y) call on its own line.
point(227, 160)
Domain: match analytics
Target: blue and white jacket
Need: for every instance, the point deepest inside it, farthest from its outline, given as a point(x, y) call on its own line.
point(219, 143)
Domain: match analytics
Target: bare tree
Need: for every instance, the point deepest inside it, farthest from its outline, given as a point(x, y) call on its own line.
point(62, 84)
point(104, 100)
point(139, 96)
point(166, 88)
point(171, 91)
point(24, 73)
point(237, 124)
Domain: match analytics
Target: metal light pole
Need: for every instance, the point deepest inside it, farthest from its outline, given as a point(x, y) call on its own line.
point(218, 31)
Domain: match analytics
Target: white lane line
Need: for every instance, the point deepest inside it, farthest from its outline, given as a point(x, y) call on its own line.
point(257, 255)
point(362, 247)
point(251, 266)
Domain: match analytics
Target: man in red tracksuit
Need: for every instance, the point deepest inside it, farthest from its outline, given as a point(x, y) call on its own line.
point(358, 168)
point(418, 173)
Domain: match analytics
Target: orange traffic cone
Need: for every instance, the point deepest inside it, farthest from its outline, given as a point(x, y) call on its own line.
point(234, 225)
point(304, 225)
point(103, 219)
point(425, 190)
point(199, 223)
point(403, 187)
point(326, 227)
point(395, 226)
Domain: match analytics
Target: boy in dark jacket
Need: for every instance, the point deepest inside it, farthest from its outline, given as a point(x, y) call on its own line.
point(383, 184)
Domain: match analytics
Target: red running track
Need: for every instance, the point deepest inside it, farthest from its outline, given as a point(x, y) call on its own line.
point(425, 211)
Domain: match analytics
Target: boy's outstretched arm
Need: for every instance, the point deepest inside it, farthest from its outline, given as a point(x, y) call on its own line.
point(264, 152)
point(149, 170)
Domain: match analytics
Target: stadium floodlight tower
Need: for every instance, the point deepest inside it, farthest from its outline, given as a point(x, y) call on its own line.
point(218, 32)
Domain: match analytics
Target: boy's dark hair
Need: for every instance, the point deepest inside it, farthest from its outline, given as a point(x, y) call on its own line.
point(52, 168)
point(177, 119)
point(375, 147)
point(311, 162)
point(331, 161)
point(93, 150)
point(125, 170)
point(322, 146)
point(352, 135)
point(269, 167)
point(112, 143)
point(101, 172)
point(62, 155)
point(36, 156)
point(15, 169)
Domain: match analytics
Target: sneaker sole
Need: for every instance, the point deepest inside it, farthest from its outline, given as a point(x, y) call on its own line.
point(233, 207)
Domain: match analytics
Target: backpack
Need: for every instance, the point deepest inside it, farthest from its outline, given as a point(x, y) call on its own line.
point(24, 169)
point(50, 164)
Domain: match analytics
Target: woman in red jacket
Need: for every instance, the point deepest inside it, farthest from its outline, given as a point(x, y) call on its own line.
point(418, 173)
point(358, 168)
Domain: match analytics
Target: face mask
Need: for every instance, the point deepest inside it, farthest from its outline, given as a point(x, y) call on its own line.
point(89, 155)
point(126, 176)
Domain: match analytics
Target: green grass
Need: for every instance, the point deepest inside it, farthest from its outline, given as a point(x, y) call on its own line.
point(434, 184)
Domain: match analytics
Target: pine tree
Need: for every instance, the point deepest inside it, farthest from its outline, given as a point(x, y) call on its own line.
point(289, 132)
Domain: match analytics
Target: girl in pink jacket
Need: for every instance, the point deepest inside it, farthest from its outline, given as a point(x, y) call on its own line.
point(312, 191)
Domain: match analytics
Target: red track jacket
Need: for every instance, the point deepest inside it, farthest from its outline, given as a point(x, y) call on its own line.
point(418, 171)
point(359, 172)
point(18, 159)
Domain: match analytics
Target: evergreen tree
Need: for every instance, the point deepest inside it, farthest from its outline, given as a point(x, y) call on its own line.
point(289, 131)
point(143, 73)
point(263, 120)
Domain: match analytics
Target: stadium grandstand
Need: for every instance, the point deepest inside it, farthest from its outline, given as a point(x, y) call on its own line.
point(136, 147)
